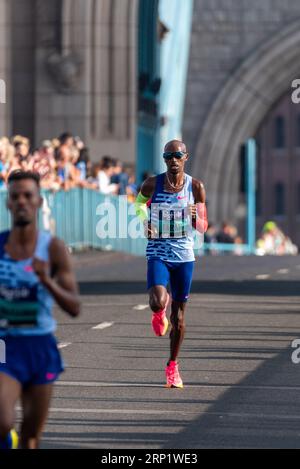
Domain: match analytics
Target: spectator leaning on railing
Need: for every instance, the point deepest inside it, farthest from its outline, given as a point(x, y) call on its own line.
point(224, 236)
point(64, 163)
point(104, 177)
point(274, 241)
point(3, 164)
point(119, 177)
point(45, 165)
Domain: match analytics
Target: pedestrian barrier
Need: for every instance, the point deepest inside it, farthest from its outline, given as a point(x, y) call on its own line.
point(85, 218)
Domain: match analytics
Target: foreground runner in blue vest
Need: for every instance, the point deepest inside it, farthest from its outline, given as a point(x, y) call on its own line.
point(177, 204)
point(35, 269)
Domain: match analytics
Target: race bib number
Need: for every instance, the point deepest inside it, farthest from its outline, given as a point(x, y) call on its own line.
point(18, 306)
point(169, 222)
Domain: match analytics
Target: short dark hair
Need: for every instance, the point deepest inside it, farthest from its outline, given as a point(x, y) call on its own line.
point(107, 162)
point(64, 137)
point(84, 155)
point(19, 175)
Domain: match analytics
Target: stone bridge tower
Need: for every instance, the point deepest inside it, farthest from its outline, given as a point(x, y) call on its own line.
point(243, 58)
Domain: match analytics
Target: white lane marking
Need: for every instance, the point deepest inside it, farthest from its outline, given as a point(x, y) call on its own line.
point(64, 344)
point(171, 412)
point(105, 384)
point(113, 411)
point(103, 325)
point(100, 305)
point(262, 276)
point(140, 307)
point(283, 271)
point(204, 385)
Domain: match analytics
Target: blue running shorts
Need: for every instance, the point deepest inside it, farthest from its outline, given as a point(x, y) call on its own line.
point(178, 274)
point(32, 360)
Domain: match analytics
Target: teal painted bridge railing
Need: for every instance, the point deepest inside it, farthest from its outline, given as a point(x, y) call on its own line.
point(87, 219)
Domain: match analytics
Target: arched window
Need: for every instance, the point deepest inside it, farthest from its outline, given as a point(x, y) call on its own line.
point(279, 197)
point(279, 132)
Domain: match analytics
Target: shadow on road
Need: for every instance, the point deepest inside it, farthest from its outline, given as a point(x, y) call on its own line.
point(116, 433)
point(222, 287)
point(262, 411)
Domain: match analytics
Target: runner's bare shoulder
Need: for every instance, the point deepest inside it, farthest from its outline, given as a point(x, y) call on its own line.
point(198, 190)
point(148, 186)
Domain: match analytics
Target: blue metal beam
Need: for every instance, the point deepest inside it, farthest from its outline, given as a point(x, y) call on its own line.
point(250, 190)
point(165, 59)
point(175, 47)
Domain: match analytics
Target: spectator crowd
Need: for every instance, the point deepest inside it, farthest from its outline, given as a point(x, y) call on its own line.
point(64, 163)
point(272, 240)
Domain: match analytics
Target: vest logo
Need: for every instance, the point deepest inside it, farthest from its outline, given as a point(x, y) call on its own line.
point(2, 92)
point(50, 376)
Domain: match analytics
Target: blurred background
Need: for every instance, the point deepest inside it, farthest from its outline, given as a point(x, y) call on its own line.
point(95, 88)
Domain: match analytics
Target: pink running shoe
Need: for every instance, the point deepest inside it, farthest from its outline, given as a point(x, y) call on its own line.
point(160, 322)
point(173, 377)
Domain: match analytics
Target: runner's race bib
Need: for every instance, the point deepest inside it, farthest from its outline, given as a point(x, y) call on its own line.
point(169, 221)
point(19, 306)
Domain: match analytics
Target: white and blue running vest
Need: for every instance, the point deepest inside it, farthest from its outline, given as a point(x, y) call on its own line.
point(25, 304)
point(179, 246)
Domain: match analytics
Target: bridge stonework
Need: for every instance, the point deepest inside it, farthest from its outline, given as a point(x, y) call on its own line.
point(244, 56)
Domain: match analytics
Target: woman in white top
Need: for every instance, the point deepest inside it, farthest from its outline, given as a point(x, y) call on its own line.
point(104, 175)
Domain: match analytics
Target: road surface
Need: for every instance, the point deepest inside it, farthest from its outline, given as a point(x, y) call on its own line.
point(241, 387)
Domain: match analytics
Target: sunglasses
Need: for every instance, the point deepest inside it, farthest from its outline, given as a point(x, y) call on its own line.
point(168, 155)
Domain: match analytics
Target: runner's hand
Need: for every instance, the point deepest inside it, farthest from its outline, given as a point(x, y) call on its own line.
point(41, 269)
point(192, 210)
point(150, 232)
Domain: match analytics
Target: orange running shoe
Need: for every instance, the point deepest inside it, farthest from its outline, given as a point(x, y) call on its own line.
point(173, 377)
point(160, 321)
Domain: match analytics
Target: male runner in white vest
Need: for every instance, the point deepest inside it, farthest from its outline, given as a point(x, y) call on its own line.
point(176, 205)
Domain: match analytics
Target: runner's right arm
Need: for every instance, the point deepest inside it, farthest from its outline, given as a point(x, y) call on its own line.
point(143, 197)
point(61, 282)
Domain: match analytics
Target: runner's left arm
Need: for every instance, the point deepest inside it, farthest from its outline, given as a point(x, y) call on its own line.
point(60, 278)
point(198, 210)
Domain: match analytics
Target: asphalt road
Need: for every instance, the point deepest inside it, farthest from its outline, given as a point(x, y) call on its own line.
point(241, 387)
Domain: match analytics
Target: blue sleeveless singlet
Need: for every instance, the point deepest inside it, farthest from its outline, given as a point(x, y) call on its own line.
point(25, 304)
point(170, 209)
